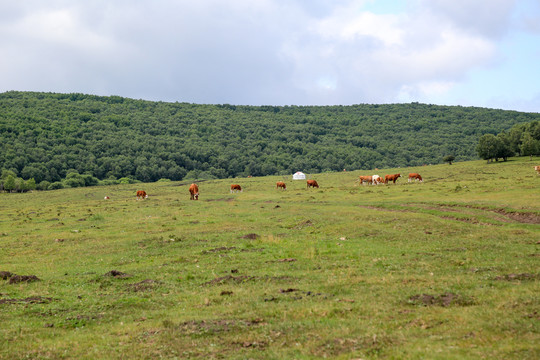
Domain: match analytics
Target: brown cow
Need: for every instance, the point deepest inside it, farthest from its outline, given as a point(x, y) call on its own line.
point(194, 192)
point(141, 195)
point(312, 183)
point(281, 185)
point(537, 168)
point(392, 178)
point(366, 179)
point(235, 188)
point(415, 176)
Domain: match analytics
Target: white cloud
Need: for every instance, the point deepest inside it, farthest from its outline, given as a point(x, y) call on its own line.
point(251, 52)
point(348, 25)
point(488, 18)
point(378, 56)
point(63, 28)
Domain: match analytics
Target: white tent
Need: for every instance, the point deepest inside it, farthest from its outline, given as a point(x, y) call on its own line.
point(299, 176)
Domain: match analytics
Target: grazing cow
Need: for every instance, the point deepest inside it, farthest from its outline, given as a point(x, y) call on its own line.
point(366, 179)
point(537, 168)
point(392, 178)
point(194, 192)
point(312, 183)
point(415, 176)
point(235, 188)
point(106, 198)
point(281, 185)
point(376, 180)
point(141, 195)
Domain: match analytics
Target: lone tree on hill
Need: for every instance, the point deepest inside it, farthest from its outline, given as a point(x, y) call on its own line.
point(449, 159)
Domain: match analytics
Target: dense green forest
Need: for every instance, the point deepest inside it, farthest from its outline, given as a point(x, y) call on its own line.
point(46, 136)
point(522, 139)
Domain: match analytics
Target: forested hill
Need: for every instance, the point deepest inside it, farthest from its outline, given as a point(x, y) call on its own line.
point(43, 135)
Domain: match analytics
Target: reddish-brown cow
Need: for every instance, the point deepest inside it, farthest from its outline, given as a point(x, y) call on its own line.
point(312, 183)
point(194, 192)
point(392, 178)
point(366, 179)
point(235, 188)
point(281, 185)
point(141, 195)
point(537, 168)
point(415, 176)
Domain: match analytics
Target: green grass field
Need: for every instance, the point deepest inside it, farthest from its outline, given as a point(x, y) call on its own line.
point(444, 269)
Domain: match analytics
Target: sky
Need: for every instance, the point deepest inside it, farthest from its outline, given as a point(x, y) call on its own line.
point(482, 53)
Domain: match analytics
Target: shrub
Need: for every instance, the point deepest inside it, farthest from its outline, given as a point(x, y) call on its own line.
point(44, 185)
point(56, 185)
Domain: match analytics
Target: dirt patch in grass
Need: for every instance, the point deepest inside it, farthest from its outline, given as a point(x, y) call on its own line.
point(303, 224)
point(482, 269)
point(230, 279)
point(84, 317)
point(372, 346)
point(518, 277)
point(506, 216)
point(445, 300)
point(117, 274)
point(231, 248)
point(296, 294)
point(466, 220)
point(524, 218)
point(373, 207)
point(219, 249)
point(470, 219)
point(509, 216)
point(288, 290)
point(251, 344)
point(15, 279)
point(214, 326)
point(307, 294)
point(253, 250)
point(503, 215)
point(282, 260)
point(28, 300)
point(145, 285)
point(251, 236)
point(533, 315)
point(4, 275)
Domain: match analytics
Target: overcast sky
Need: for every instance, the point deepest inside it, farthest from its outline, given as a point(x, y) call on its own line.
point(277, 52)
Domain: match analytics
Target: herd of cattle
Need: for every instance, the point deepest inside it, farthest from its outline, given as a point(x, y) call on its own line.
point(376, 179)
point(373, 180)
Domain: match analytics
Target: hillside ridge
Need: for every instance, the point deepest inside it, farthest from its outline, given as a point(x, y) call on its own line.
point(45, 135)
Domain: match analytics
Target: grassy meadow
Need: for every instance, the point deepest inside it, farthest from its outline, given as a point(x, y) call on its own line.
point(444, 269)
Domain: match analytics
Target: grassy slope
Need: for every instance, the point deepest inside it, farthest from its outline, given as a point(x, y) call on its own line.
point(368, 264)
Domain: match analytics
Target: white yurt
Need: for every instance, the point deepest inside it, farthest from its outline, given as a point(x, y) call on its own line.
point(299, 176)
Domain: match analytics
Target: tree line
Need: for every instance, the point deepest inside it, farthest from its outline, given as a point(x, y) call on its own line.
point(521, 139)
point(48, 136)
